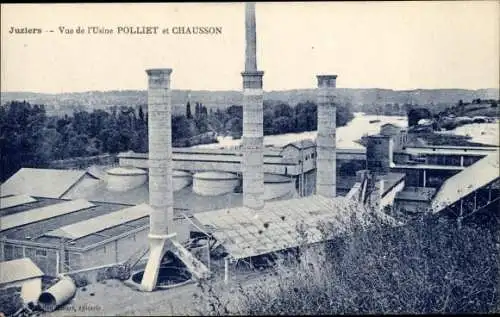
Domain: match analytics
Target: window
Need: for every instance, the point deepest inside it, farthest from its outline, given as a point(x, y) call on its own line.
point(66, 258)
point(41, 252)
point(8, 252)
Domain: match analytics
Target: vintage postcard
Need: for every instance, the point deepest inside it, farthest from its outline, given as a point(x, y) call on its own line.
point(244, 158)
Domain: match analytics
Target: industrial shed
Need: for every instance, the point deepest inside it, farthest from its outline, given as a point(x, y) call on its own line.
point(284, 224)
point(22, 273)
point(66, 235)
point(35, 181)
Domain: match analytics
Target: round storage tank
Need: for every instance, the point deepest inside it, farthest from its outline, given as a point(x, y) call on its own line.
point(120, 179)
point(181, 179)
point(276, 186)
point(214, 183)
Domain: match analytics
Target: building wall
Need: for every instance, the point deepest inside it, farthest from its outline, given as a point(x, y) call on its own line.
point(413, 176)
point(45, 259)
point(388, 199)
point(115, 251)
point(110, 253)
point(379, 154)
point(409, 206)
point(30, 288)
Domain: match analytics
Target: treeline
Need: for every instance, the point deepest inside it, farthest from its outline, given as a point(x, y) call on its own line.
point(279, 118)
point(30, 138)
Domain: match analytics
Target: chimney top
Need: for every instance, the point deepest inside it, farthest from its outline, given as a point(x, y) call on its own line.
point(250, 38)
point(327, 81)
point(159, 71)
point(159, 77)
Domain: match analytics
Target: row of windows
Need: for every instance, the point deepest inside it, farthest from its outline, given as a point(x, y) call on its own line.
point(12, 252)
point(308, 157)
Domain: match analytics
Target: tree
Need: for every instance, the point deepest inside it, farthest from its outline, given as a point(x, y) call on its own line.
point(235, 126)
point(181, 127)
point(283, 110)
point(197, 109)
point(282, 125)
point(141, 113)
point(188, 111)
point(235, 111)
point(344, 115)
point(21, 136)
point(306, 116)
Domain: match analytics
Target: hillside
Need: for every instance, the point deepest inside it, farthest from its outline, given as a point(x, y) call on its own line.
point(67, 102)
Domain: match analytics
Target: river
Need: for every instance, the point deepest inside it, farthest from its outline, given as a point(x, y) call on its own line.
point(486, 133)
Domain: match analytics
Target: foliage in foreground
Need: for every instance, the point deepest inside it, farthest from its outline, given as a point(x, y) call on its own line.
point(429, 266)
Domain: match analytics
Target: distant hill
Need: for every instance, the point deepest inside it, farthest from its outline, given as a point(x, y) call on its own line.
point(68, 102)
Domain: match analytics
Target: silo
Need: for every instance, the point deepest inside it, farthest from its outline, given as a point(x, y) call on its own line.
point(122, 179)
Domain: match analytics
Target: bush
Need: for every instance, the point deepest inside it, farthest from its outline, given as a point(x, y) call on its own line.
point(434, 265)
point(80, 280)
point(120, 272)
point(10, 300)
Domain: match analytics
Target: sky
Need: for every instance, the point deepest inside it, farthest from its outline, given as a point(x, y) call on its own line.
point(393, 45)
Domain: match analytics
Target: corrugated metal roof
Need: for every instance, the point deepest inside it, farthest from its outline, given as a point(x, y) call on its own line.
point(82, 188)
point(38, 214)
point(17, 270)
point(245, 233)
point(49, 183)
point(87, 227)
point(479, 174)
point(16, 200)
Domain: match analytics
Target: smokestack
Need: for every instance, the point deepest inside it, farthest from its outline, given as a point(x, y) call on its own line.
point(160, 171)
point(325, 141)
point(253, 117)
point(250, 38)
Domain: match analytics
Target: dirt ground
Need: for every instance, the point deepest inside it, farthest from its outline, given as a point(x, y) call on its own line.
point(113, 297)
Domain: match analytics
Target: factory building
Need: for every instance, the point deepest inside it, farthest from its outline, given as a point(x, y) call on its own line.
point(69, 235)
point(82, 222)
point(379, 151)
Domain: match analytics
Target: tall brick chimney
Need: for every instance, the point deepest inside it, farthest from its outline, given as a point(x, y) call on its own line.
point(325, 141)
point(253, 117)
point(161, 217)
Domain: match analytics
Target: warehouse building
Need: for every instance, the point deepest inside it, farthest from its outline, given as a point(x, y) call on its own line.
point(79, 222)
point(67, 235)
